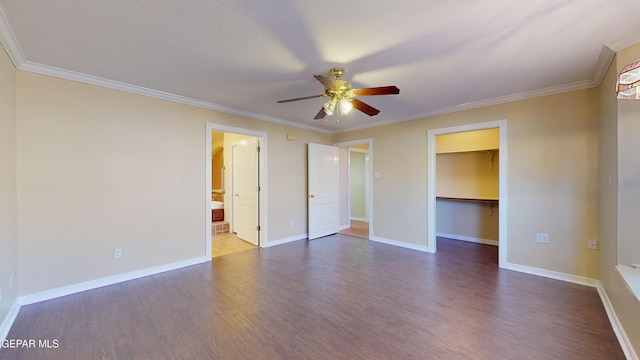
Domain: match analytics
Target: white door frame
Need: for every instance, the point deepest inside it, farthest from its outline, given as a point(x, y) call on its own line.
point(502, 178)
point(369, 177)
point(262, 176)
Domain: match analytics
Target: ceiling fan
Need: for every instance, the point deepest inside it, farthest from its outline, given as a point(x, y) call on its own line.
point(343, 97)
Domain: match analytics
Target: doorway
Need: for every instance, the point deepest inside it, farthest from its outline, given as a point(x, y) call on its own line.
point(356, 188)
point(501, 125)
point(237, 186)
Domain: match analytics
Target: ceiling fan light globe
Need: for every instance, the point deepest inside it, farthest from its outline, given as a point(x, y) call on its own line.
point(330, 106)
point(344, 107)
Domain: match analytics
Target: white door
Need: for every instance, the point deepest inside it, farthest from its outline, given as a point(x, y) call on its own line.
point(245, 190)
point(323, 184)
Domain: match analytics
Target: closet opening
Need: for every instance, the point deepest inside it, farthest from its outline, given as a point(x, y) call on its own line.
point(467, 185)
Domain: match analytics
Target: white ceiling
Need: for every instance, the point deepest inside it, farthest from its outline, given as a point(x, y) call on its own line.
point(241, 56)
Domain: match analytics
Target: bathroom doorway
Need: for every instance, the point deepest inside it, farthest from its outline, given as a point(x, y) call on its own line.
point(236, 189)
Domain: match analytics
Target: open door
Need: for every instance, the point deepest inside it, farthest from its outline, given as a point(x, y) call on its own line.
point(323, 185)
point(245, 190)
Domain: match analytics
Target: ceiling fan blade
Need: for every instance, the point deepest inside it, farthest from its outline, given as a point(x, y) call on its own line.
point(367, 109)
point(328, 83)
point(321, 114)
point(382, 90)
point(301, 98)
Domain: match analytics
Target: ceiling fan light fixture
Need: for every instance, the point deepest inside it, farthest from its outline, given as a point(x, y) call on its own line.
point(330, 106)
point(344, 107)
point(629, 81)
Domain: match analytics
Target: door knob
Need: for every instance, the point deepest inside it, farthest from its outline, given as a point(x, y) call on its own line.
point(311, 196)
point(237, 195)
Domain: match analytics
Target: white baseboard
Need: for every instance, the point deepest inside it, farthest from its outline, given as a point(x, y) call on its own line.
point(343, 227)
point(8, 320)
point(285, 240)
point(551, 274)
point(469, 239)
point(623, 339)
point(109, 280)
point(400, 244)
point(355, 218)
point(621, 335)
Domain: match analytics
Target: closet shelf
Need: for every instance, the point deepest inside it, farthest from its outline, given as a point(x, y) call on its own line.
point(466, 151)
point(493, 201)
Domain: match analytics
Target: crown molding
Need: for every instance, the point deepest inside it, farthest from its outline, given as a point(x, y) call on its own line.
point(553, 90)
point(8, 39)
point(625, 42)
point(604, 60)
point(117, 85)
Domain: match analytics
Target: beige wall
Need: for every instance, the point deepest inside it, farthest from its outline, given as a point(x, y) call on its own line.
point(471, 174)
point(467, 220)
point(102, 169)
point(618, 202)
point(8, 185)
point(552, 186)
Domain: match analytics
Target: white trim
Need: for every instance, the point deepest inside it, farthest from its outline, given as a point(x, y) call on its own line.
point(357, 218)
point(625, 42)
point(109, 280)
point(559, 89)
point(621, 335)
point(468, 239)
point(503, 195)
point(8, 39)
point(208, 187)
point(135, 89)
point(286, 240)
point(111, 84)
point(551, 274)
point(623, 339)
point(369, 177)
point(402, 244)
point(604, 60)
point(8, 320)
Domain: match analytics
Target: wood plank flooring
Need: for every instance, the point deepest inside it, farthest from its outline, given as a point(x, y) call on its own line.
point(337, 297)
point(358, 229)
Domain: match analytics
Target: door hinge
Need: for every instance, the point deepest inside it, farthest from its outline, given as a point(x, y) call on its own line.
point(258, 148)
point(259, 189)
point(258, 227)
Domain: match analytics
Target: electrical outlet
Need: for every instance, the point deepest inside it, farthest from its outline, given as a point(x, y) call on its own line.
point(542, 238)
point(592, 244)
point(117, 253)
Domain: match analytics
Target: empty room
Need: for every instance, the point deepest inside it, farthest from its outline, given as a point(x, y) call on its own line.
point(132, 134)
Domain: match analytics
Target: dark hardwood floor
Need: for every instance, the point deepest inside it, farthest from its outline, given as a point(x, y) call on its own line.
point(337, 297)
